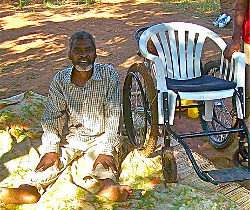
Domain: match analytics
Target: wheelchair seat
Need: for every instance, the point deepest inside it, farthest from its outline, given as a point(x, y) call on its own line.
point(199, 84)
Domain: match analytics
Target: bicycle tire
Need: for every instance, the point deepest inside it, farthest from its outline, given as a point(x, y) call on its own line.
point(147, 143)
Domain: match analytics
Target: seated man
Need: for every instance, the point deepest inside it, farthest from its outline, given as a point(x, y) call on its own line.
point(87, 98)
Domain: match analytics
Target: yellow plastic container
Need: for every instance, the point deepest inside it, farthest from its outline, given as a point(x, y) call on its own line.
point(193, 112)
point(184, 102)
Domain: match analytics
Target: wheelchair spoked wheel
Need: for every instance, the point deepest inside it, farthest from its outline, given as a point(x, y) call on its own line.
point(224, 117)
point(224, 114)
point(140, 109)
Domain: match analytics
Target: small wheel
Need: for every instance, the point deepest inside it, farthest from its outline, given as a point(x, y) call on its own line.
point(224, 114)
point(169, 166)
point(241, 156)
point(140, 109)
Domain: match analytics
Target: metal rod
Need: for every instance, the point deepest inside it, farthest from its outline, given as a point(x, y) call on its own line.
point(190, 135)
point(189, 153)
point(248, 140)
point(190, 106)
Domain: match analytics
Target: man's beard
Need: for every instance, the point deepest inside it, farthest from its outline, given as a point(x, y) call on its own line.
point(83, 66)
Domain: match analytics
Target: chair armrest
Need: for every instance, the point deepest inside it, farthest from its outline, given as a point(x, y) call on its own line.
point(138, 31)
point(160, 69)
point(161, 88)
point(239, 59)
point(239, 78)
point(160, 74)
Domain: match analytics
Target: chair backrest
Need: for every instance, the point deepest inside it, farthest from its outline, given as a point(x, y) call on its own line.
point(179, 46)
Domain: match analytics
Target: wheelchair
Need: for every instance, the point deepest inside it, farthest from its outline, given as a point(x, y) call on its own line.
point(172, 71)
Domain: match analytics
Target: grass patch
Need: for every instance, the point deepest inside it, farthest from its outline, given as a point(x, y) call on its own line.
point(15, 83)
point(3, 69)
point(86, 2)
point(2, 93)
point(23, 3)
point(199, 7)
point(52, 4)
point(47, 4)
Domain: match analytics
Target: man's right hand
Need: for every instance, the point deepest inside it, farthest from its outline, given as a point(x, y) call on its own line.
point(233, 46)
point(48, 160)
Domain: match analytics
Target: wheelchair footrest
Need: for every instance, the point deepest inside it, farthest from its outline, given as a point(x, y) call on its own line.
point(227, 175)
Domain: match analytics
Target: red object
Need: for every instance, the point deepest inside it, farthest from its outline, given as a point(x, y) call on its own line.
point(246, 26)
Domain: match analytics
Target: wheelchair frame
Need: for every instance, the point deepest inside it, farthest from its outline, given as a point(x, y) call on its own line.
point(239, 173)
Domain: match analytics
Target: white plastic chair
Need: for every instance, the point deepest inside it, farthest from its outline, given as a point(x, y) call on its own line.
point(173, 54)
point(179, 49)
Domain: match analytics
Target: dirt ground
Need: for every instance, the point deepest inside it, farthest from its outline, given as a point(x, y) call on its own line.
point(33, 47)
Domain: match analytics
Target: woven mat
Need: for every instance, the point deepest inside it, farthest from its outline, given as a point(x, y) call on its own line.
point(233, 191)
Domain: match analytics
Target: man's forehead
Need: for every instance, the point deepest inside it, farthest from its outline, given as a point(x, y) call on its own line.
point(83, 41)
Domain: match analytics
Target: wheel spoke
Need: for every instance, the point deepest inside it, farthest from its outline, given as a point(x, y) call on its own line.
point(223, 118)
point(141, 114)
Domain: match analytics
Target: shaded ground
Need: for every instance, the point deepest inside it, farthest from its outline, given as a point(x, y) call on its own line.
point(19, 154)
point(33, 46)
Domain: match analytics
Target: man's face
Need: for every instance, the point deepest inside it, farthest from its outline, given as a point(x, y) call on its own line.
point(82, 54)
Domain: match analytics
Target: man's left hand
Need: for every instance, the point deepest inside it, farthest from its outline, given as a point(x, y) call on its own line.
point(107, 161)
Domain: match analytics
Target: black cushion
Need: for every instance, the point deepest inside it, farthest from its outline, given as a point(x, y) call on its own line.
point(199, 84)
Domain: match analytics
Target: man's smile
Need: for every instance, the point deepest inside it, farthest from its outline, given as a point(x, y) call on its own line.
point(84, 62)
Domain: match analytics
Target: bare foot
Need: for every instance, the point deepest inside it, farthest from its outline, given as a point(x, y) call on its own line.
point(115, 192)
point(118, 193)
point(25, 194)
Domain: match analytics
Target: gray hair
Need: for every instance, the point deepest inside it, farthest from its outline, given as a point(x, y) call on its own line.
point(81, 35)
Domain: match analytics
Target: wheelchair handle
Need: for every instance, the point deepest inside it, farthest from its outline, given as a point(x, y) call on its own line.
point(138, 31)
point(137, 37)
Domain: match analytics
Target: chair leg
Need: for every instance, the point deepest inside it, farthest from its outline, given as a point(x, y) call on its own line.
point(169, 166)
point(209, 106)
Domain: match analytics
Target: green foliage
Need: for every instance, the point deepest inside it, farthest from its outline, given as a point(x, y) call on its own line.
point(2, 93)
point(24, 122)
point(33, 111)
point(86, 2)
point(49, 4)
point(54, 2)
point(23, 3)
point(6, 117)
